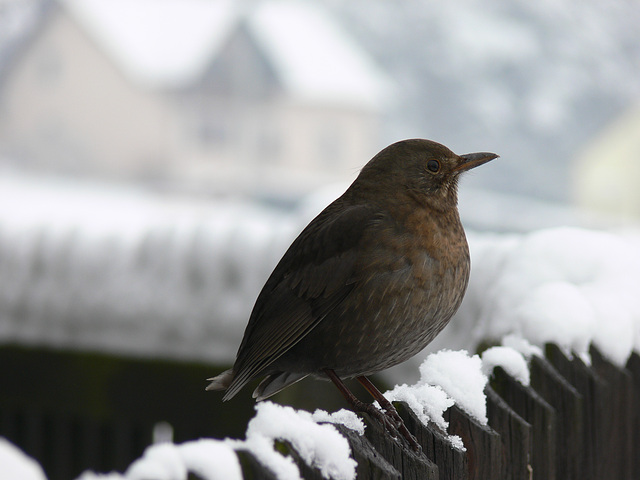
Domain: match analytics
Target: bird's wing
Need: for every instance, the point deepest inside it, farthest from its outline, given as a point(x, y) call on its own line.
point(313, 277)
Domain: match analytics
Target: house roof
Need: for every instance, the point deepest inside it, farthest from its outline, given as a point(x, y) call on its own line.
point(158, 43)
point(314, 57)
point(170, 43)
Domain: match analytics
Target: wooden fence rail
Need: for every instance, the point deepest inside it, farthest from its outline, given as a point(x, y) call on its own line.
point(574, 421)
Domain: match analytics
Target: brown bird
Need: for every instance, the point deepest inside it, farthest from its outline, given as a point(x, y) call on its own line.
point(367, 284)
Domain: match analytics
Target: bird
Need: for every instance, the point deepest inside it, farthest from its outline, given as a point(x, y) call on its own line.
point(367, 284)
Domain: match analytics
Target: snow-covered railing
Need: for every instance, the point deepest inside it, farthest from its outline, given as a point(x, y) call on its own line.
point(138, 274)
point(95, 267)
point(122, 270)
point(511, 413)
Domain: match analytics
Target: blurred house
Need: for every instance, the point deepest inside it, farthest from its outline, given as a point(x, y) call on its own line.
point(607, 173)
point(195, 92)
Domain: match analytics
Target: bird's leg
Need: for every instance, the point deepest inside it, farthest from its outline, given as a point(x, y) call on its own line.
point(390, 411)
point(360, 406)
point(386, 420)
point(380, 398)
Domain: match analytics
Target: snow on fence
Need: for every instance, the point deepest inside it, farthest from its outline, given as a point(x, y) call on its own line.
point(572, 421)
point(553, 417)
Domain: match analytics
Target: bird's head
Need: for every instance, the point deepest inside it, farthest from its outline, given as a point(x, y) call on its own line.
point(420, 169)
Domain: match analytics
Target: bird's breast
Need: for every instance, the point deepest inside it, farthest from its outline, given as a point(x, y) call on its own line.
point(412, 284)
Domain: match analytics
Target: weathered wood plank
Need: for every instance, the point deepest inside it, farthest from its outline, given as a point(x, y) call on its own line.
point(451, 462)
point(542, 417)
point(569, 406)
point(593, 390)
point(515, 437)
point(411, 465)
point(633, 366)
point(484, 450)
point(371, 465)
point(616, 413)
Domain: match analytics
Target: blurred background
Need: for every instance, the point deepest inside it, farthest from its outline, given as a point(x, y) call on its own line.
point(158, 156)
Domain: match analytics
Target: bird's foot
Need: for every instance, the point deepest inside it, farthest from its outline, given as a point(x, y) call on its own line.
point(390, 412)
point(400, 427)
point(388, 416)
point(392, 422)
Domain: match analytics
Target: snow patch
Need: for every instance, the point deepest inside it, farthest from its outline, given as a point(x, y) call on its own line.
point(446, 378)
point(522, 346)
point(17, 465)
point(461, 377)
point(161, 462)
point(343, 417)
point(319, 445)
point(208, 458)
point(89, 475)
point(428, 402)
point(512, 361)
point(571, 286)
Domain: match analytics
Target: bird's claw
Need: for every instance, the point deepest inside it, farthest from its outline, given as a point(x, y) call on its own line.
point(392, 414)
point(394, 425)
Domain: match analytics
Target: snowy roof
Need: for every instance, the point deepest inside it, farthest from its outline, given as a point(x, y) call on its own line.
point(314, 57)
point(156, 42)
point(170, 43)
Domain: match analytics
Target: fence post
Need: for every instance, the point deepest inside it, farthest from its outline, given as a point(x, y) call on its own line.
point(370, 464)
point(593, 390)
point(451, 462)
point(633, 366)
point(515, 436)
point(568, 404)
point(616, 415)
point(542, 417)
point(411, 465)
point(484, 455)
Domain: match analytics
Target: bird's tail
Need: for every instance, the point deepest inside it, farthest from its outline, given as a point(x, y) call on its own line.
point(222, 381)
point(272, 384)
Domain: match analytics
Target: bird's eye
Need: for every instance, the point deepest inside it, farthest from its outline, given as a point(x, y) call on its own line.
point(433, 166)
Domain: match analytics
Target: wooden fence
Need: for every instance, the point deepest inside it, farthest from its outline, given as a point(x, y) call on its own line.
point(573, 422)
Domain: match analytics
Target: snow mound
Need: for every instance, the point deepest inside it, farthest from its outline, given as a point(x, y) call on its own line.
point(17, 465)
point(319, 445)
point(342, 417)
point(446, 378)
point(512, 361)
point(461, 377)
point(570, 286)
point(207, 458)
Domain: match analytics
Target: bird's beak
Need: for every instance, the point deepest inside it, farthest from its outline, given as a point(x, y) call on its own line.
point(472, 160)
